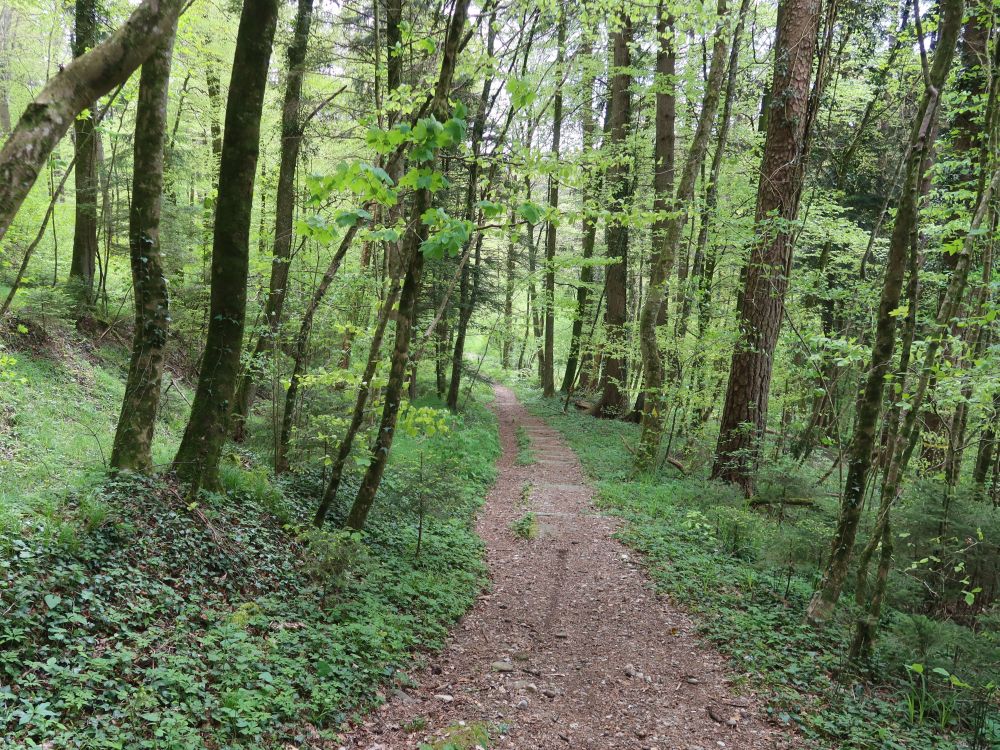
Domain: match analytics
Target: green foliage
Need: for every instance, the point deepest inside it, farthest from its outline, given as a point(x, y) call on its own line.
point(526, 526)
point(525, 456)
point(464, 736)
point(137, 619)
point(449, 235)
point(57, 415)
point(46, 305)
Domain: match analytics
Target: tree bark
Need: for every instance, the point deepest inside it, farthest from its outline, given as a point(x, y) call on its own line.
point(284, 212)
point(548, 371)
point(357, 415)
point(667, 235)
point(132, 450)
point(614, 400)
point(589, 228)
point(79, 84)
point(469, 286)
point(84, 258)
point(869, 401)
point(7, 29)
point(197, 459)
point(761, 306)
point(301, 350)
point(865, 626)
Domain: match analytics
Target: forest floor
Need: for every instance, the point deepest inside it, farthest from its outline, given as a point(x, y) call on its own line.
point(570, 647)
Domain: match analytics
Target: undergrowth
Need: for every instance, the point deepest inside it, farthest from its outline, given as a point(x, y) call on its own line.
point(135, 619)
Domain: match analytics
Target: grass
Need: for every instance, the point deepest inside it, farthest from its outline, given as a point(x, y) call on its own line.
point(525, 455)
point(747, 575)
point(136, 619)
point(526, 526)
point(464, 736)
point(58, 409)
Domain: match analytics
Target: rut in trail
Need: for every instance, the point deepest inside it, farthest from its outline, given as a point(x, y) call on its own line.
point(570, 647)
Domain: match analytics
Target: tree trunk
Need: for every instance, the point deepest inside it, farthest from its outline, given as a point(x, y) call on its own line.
point(467, 295)
point(7, 28)
point(197, 459)
point(357, 415)
point(548, 371)
point(667, 234)
point(987, 447)
point(79, 84)
point(414, 259)
point(700, 279)
point(589, 229)
point(508, 300)
point(84, 260)
point(284, 211)
point(869, 401)
point(761, 307)
point(614, 400)
point(133, 443)
point(907, 439)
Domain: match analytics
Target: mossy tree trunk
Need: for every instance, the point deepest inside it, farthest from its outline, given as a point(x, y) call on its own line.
point(413, 259)
point(84, 260)
point(133, 443)
point(869, 402)
point(614, 400)
point(549, 291)
point(589, 228)
point(197, 459)
point(469, 283)
point(284, 211)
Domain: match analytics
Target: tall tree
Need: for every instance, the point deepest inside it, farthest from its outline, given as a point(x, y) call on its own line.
point(548, 365)
point(667, 237)
point(762, 302)
point(614, 399)
point(84, 261)
point(589, 224)
point(197, 459)
point(134, 436)
point(468, 286)
point(869, 402)
point(8, 24)
point(284, 210)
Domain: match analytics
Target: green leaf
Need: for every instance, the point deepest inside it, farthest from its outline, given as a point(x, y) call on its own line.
point(530, 212)
point(351, 217)
point(490, 209)
point(521, 93)
point(52, 600)
point(388, 234)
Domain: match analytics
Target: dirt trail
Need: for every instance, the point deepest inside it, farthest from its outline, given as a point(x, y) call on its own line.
point(570, 647)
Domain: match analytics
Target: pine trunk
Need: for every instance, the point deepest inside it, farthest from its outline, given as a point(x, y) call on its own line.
point(744, 415)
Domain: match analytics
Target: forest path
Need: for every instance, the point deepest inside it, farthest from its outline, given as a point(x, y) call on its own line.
point(570, 647)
